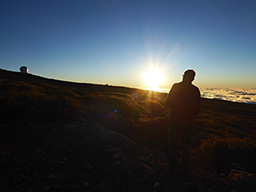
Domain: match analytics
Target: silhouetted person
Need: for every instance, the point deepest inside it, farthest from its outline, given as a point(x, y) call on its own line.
point(184, 103)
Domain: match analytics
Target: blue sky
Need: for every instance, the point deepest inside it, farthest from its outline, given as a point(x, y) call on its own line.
point(116, 41)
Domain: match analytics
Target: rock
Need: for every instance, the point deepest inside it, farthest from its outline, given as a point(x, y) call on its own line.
point(99, 129)
point(149, 169)
point(71, 126)
point(144, 151)
point(88, 166)
point(146, 178)
point(161, 170)
point(118, 156)
point(243, 180)
point(111, 140)
point(209, 181)
point(222, 175)
point(158, 156)
point(142, 169)
point(159, 177)
point(113, 150)
point(207, 184)
point(117, 163)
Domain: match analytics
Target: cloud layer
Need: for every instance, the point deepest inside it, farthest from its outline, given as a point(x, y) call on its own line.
point(235, 95)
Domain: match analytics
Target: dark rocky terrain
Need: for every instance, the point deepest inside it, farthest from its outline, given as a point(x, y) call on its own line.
point(64, 136)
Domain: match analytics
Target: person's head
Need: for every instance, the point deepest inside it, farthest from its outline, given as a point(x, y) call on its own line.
point(189, 75)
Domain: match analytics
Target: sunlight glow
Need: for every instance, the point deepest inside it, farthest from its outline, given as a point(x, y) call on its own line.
point(153, 78)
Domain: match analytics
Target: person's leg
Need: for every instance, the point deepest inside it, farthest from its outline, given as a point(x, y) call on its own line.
point(172, 147)
point(186, 159)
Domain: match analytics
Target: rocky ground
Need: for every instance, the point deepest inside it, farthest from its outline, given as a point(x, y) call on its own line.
point(76, 156)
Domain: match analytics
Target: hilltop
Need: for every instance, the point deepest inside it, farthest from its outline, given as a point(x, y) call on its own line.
point(67, 136)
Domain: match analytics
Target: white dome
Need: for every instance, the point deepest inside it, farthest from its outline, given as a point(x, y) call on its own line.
point(23, 69)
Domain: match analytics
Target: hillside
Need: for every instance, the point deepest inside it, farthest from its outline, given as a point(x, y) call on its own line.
point(65, 136)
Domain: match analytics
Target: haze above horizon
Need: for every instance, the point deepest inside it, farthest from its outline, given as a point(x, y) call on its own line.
point(124, 42)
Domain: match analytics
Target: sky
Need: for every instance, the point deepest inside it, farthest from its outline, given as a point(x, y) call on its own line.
point(121, 42)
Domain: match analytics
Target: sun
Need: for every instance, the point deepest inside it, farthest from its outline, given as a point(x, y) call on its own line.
point(153, 78)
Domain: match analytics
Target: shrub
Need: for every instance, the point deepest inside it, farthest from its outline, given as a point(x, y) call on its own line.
point(120, 105)
point(222, 153)
point(30, 102)
point(156, 108)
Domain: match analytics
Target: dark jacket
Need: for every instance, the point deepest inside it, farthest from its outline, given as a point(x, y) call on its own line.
point(184, 102)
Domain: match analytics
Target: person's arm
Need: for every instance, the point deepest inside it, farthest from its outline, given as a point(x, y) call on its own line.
point(169, 100)
point(196, 106)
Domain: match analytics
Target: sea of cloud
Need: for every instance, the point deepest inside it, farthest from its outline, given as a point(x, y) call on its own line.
point(235, 95)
